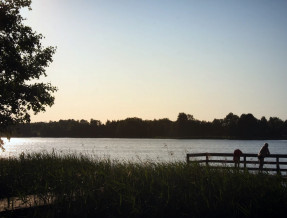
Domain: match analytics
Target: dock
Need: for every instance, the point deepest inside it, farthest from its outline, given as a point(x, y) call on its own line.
point(272, 163)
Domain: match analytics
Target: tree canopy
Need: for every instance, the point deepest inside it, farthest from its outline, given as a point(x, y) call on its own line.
point(23, 60)
point(232, 126)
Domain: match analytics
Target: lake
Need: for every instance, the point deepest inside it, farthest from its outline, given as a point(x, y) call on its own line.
point(136, 149)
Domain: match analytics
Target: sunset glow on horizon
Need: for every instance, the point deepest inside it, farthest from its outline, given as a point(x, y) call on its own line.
point(155, 59)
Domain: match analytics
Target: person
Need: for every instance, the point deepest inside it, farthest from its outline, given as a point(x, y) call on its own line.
point(236, 157)
point(264, 151)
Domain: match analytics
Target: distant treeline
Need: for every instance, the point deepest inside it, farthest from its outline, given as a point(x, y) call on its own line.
point(231, 127)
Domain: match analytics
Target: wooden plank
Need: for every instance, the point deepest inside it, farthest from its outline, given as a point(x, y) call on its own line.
point(221, 161)
point(197, 161)
point(220, 154)
point(247, 162)
point(278, 155)
point(231, 161)
point(196, 155)
point(231, 155)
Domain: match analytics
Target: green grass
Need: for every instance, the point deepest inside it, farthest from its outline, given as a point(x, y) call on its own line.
point(84, 187)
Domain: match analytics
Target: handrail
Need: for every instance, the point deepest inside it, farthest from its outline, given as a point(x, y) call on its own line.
point(244, 158)
point(231, 155)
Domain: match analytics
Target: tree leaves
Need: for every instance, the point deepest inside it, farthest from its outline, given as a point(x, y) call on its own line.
point(22, 59)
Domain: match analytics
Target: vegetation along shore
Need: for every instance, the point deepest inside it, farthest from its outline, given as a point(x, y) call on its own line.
point(232, 126)
point(80, 186)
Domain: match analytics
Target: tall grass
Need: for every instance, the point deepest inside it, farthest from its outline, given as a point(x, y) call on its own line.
point(81, 186)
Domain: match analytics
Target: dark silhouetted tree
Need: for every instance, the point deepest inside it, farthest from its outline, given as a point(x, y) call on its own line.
point(231, 127)
point(248, 126)
point(131, 128)
point(182, 125)
point(23, 60)
point(159, 128)
point(230, 124)
point(263, 128)
point(275, 126)
point(217, 128)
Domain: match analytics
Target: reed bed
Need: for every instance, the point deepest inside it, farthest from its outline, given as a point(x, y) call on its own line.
point(81, 186)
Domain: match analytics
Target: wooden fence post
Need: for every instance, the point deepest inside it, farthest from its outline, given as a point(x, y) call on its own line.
point(277, 166)
point(207, 158)
point(187, 158)
point(244, 161)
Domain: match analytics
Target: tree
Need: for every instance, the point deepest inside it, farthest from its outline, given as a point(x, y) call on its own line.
point(131, 128)
point(230, 123)
point(248, 126)
point(275, 126)
point(263, 127)
point(184, 125)
point(23, 60)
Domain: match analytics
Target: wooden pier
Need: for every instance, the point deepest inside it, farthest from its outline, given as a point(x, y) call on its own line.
point(272, 162)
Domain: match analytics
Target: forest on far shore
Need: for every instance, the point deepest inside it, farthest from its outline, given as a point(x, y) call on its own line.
point(186, 126)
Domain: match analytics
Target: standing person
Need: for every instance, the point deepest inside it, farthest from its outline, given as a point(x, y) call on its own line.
point(264, 151)
point(236, 157)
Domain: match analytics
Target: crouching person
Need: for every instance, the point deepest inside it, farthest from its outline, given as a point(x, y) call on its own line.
point(236, 157)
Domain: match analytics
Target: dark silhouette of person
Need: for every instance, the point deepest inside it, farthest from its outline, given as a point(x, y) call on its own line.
point(264, 151)
point(236, 157)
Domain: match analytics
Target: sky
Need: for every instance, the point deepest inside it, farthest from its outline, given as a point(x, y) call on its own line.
point(153, 59)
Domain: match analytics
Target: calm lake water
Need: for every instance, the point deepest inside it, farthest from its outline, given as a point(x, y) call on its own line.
point(136, 149)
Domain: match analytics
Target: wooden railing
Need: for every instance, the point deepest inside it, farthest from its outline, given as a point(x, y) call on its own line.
point(247, 161)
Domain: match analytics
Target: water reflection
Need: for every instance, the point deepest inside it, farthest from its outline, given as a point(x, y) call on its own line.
point(136, 149)
point(11, 146)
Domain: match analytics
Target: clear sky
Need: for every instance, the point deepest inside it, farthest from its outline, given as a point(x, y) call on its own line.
point(155, 58)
